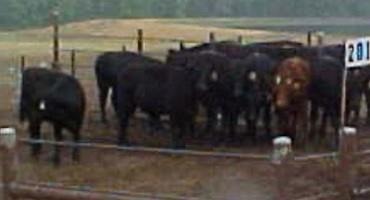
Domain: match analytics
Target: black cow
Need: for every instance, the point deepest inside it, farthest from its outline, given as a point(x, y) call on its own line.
point(215, 91)
point(325, 93)
point(253, 90)
point(366, 91)
point(53, 97)
point(356, 86)
point(107, 67)
point(215, 88)
point(157, 89)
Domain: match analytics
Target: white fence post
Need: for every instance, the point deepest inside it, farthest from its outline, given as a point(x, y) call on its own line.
point(8, 142)
point(281, 156)
point(347, 162)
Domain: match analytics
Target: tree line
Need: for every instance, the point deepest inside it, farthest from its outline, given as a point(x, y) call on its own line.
point(23, 13)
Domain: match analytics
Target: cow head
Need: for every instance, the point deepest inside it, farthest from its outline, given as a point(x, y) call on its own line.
point(209, 77)
point(252, 82)
point(291, 83)
point(211, 68)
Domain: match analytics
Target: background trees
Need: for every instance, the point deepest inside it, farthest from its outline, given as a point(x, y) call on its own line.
point(21, 13)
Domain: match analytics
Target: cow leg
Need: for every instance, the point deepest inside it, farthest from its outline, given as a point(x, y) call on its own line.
point(124, 122)
point(122, 136)
point(229, 122)
point(367, 97)
point(302, 128)
point(335, 122)
point(211, 121)
point(178, 127)
point(34, 129)
point(59, 138)
point(292, 130)
point(103, 93)
point(191, 127)
point(324, 121)
point(76, 149)
point(155, 123)
point(348, 116)
point(314, 115)
point(357, 117)
point(267, 122)
point(251, 126)
point(114, 98)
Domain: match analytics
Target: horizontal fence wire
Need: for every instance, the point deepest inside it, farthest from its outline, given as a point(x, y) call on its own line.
point(124, 193)
point(331, 155)
point(260, 157)
point(321, 196)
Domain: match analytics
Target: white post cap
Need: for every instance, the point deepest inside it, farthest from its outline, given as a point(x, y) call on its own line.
point(349, 130)
point(7, 137)
point(282, 141)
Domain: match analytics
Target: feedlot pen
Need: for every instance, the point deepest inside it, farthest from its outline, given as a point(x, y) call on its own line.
point(157, 176)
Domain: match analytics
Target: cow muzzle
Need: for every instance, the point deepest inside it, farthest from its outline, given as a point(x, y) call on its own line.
point(281, 104)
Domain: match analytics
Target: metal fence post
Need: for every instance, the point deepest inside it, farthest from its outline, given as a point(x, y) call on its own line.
point(281, 157)
point(73, 62)
point(181, 45)
point(55, 24)
point(23, 63)
point(212, 37)
point(140, 42)
point(9, 159)
point(347, 162)
point(240, 39)
point(309, 38)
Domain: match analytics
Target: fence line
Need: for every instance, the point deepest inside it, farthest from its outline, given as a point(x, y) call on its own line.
point(35, 192)
point(110, 192)
point(320, 196)
point(152, 150)
point(330, 155)
point(281, 159)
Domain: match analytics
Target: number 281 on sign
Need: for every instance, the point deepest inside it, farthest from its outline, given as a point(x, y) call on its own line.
point(357, 52)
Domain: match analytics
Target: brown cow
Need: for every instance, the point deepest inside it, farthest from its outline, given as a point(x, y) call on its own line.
point(290, 91)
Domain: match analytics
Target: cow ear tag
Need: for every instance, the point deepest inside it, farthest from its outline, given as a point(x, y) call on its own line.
point(214, 76)
point(252, 76)
point(278, 80)
point(42, 105)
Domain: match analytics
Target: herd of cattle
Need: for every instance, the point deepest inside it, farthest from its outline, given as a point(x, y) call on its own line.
point(297, 86)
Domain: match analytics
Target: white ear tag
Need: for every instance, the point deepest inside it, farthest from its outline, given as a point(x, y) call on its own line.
point(278, 80)
point(42, 105)
point(214, 76)
point(252, 76)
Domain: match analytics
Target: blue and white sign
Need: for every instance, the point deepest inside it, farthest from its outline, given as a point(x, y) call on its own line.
point(357, 52)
